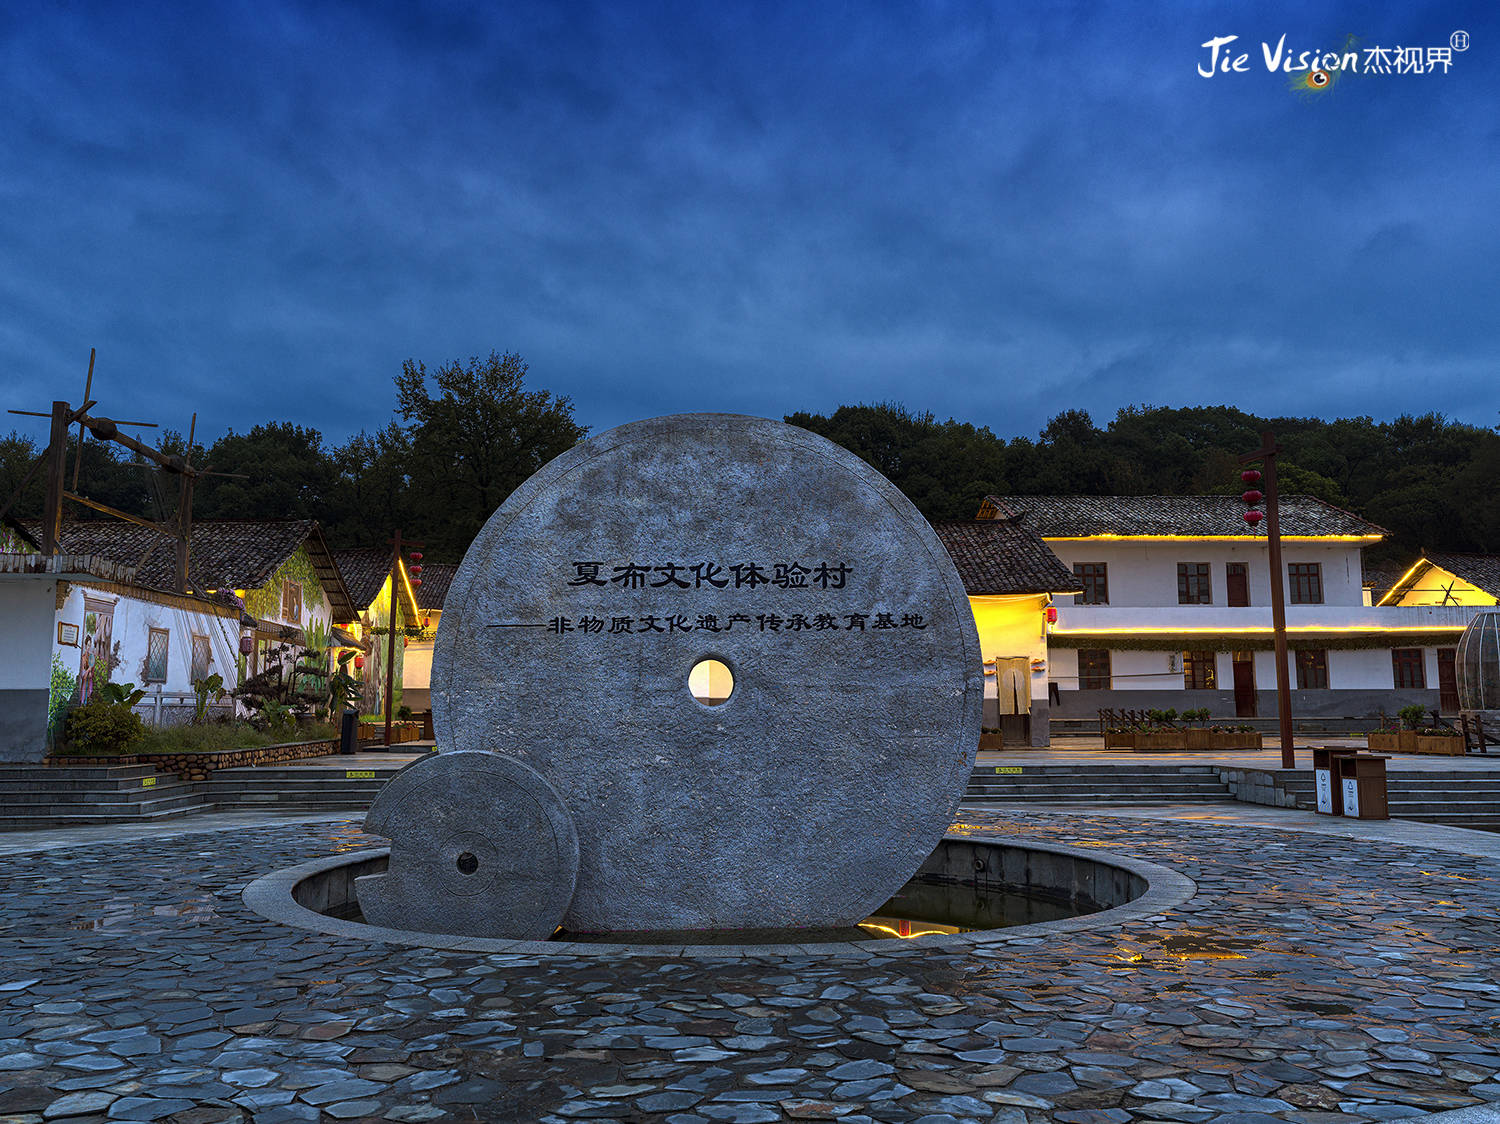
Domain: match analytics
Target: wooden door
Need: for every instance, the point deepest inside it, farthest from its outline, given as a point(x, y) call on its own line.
point(1244, 685)
point(1237, 584)
point(1447, 680)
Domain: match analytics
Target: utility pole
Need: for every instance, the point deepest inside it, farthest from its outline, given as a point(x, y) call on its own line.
point(1266, 455)
point(390, 661)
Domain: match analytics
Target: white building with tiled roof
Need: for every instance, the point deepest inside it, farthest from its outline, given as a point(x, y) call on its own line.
point(1175, 610)
point(1011, 577)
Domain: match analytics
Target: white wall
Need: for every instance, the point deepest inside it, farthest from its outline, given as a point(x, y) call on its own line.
point(132, 621)
point(27, 633)
point(1144, 571)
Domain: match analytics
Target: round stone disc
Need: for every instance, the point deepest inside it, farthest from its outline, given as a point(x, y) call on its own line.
point(810, 794)
point(481, 846)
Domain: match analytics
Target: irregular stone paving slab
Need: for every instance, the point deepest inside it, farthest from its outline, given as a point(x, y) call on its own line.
point(1312, 978)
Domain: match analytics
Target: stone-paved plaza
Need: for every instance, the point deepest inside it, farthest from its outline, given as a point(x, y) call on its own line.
point(1312, 977)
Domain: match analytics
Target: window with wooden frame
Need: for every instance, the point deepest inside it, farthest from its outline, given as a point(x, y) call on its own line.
point(1408, 668)
point(1193, 585)
point(156, 655)
point(1093, 669)
point(1198, 671)
point(1305, 580)
point(1095, 579)
point(202, 658)
point(291, 601)
point(1312, 669)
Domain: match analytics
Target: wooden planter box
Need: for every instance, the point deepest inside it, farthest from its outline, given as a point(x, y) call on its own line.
point(1197, 739)
point(1444, 744)
point(991, 741)
point(1234, 739)
point(1171, 739)
point(1404, 741)
point(1119, 739)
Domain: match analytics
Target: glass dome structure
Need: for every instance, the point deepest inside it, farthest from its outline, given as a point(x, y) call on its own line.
point(1478, 665)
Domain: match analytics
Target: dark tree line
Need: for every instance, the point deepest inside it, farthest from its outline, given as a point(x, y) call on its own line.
point(1428, 480)
point(465, 436)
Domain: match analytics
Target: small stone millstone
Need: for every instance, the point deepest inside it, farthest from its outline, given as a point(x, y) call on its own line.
point(481, 846)
point(811, 793)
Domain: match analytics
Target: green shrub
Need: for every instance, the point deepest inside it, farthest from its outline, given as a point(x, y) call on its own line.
point(1412, 716)
point(216, 736)
point(103, 729)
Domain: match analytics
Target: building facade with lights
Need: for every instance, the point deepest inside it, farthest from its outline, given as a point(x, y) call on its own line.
point(1011, 578)
point(1175, 612)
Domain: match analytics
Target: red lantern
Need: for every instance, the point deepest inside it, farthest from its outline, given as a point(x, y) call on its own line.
point(359, 663)
point(426, 622)
point(1051, 614)
point(416, 569)
point(1253, 516)
point(416, 581)
point(1252, 497)
point(247, 645)
point(416, 556)
point(1251, 476)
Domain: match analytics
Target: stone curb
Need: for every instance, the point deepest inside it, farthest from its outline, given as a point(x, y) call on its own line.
point(271, 897)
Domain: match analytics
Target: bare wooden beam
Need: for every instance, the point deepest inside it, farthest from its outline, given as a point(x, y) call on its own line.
point(118, 514)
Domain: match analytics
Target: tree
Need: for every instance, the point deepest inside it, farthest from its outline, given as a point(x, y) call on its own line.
point(288, 475)
point(476, 441)
point(945, 468)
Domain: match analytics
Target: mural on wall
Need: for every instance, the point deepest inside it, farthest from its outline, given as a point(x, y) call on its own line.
point(98, 656)
point(59, 696)
point(377, 624)
point(266, 602)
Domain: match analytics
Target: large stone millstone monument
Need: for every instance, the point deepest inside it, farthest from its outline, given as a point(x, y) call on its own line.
point(811, 793)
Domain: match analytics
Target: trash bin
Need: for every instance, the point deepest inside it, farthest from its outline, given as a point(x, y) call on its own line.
point(1326, 782)
point(349, 731)
point(1363, 782)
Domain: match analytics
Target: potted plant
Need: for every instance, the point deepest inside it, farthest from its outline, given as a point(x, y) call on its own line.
point(1199, 737)
point(990, 738)
point(1161, 732)
point(1385, 738)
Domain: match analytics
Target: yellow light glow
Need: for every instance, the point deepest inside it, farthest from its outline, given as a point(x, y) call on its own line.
point(1402, 580)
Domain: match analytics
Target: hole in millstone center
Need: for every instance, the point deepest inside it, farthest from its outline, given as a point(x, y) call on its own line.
point(711, 682)
point(467, 863)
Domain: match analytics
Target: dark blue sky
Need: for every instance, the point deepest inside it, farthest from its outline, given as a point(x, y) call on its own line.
point(990, 211)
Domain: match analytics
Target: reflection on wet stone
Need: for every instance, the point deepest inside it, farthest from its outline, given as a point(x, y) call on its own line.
point(1378, 1001)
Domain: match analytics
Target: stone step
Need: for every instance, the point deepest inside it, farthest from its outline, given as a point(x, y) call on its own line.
point(69, 817)
point(273, 795)
point(96, 772)
point(111, 796)
point(84, 784)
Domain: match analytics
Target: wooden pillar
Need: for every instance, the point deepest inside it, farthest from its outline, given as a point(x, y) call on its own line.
point(1278, 604)
point(57, 464)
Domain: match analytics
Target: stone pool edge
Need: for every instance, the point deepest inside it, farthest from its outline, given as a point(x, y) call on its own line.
point(270, 896)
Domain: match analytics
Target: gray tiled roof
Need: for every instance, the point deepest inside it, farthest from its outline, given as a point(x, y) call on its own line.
point(998, 556)
point(436, 578)
point(365, 571)
point(1068, 516)
point(225, 554)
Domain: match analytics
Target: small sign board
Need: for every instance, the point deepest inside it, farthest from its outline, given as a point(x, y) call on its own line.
point(1007, 768)
point(148, 782)
point(67, 634)
point(359, 774)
